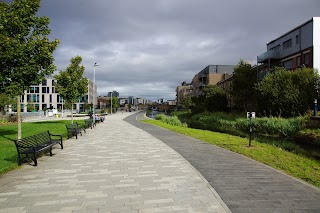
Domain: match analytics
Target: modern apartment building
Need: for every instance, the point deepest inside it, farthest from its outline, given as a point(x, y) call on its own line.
point(210, 75)
point(44, 96)
point(182, 91)
point(300, 46)
point(226, 85)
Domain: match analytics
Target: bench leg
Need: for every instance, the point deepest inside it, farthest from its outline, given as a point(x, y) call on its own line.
point(35, 160)
point(50, 150)
point(19, 159)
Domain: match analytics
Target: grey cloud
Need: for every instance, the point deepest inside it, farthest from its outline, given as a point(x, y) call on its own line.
point(147, 48)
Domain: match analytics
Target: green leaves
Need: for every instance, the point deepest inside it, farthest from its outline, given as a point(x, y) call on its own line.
point(26, 52)
point(288, 93)
point(243, 82)
point(70, 83)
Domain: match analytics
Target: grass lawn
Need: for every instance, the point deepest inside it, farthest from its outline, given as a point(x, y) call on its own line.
point(307, 169)
point(8, 133)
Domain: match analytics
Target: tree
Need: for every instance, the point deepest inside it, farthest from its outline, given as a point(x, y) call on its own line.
point(115, 103)
point(71, 85)
point(288, 93)
point(187, 102)
point(25, 50)
point(243, 83)
point(215, 98)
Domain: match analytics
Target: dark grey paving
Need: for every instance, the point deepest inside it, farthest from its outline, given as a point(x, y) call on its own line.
point(243, 184)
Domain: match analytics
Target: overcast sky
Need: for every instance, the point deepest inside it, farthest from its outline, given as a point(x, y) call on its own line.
point(146, 48)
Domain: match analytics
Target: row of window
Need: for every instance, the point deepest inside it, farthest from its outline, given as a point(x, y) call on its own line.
point(289, 63)
point(36, 98)
point(44, 90)
point(287, 44)
point(44, 82)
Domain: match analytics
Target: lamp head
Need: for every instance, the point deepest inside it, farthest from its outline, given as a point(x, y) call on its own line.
point(96, 64)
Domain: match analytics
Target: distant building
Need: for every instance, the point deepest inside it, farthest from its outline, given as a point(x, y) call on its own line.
point(210, 75)
point(226, 85)
point(170, 102)
point(182, 91)
point(103, 102)
point(300, 46)
point(113, 94)
point(44, 96)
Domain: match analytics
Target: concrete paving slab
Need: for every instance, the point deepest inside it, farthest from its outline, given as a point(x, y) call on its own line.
point(114, 167)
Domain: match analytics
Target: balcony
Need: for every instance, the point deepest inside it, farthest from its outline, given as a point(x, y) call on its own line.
point(271, 54)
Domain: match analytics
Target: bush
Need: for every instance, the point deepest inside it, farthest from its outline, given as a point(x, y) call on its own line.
point(308, 136)
point(274, 126)
point(13, 118)
point(173, 120)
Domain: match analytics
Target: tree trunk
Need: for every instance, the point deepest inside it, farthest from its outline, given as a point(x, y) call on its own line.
point(19, 116)
point(72, 112)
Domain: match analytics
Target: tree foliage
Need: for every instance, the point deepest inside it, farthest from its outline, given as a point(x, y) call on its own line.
point(25, 50)
point(115, 103)
point(243, 83)
point(288, 93)
point(71, 85)
point(187, 102)
point(215, 99)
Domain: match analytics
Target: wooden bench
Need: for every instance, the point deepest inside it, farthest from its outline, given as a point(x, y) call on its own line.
point(74, 129)
point(33, 145)
point(88, 123)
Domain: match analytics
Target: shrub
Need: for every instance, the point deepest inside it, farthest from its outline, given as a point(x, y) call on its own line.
point(173, 120)
point(13, 118)
point(308, 136)
point(274, 126)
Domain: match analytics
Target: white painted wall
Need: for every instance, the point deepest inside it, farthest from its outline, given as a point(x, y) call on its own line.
point(316, 43)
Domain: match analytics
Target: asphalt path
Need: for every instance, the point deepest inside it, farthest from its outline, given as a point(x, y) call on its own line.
point(244, 185)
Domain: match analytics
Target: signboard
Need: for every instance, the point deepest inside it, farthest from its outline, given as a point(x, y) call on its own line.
point(251, 114)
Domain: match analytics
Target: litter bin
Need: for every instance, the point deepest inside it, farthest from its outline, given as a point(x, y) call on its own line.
point(57, 115)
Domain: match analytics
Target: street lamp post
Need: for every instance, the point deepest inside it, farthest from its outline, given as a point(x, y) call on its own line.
point(111, 104)
point(94, 92)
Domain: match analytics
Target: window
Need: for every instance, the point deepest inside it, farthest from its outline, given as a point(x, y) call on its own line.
point(288, 64)
point(48, 91)
point(43, 98)
point(50, 98)
point(44, 106)
point(275, 48)
point(44, 82)
point(306, 59)
point(52, 82)
point(297, 39)
point(22, 98)
point(298, 61)
point(44, 89)
point(287, 44)
point(53, 90)
point(28, 98)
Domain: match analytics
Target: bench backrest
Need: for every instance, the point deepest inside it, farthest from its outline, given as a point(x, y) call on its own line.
point(72, 126)
point(33, 140)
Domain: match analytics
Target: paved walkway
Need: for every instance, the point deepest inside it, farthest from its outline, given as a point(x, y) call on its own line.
point(115, 167)
point(243, 184)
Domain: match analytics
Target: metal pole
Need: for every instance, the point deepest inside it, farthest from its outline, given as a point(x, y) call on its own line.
point(250, 128)
point(94, 92)
point(315, 107)
point(111, 104)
